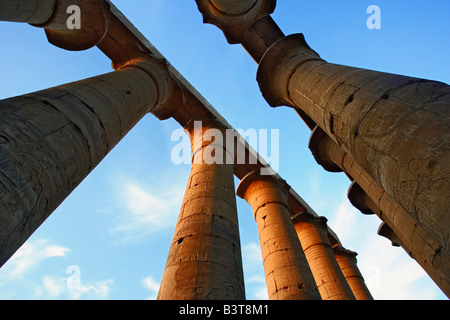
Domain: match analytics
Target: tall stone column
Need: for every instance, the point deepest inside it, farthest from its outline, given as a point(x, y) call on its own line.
point(288, 275)
point(29, 11)
point(348, 263)
point(52, 139)
point(394, 127)
point(367, 195)
point(204, 260)
point(312, 232)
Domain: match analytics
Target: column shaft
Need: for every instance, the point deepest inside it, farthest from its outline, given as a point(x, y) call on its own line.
point(29, 11)
point(52, 139)
point(205, 258)
point(312, 232)
point(347, 262)
point(417, 241)
point(288, 275)
point(56, 17)
point(394, 127)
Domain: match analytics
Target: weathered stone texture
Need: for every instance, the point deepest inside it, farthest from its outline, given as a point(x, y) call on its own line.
point(347, 261)
point(312, 233)
point(52, 139)
point(205, 257)
point(288, 275)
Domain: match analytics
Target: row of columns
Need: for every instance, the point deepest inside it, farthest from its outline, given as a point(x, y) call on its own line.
point(393, 128)
point(204, 259)
point(52, 139)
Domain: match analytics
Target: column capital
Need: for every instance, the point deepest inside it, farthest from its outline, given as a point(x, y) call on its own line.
point(326, 151)
point(278, 65)
point(27, 11)
point(385, 231)
point(234, 17)
point(360, 200)
point(208, 140)
point(308, 217)
point(94, 19)
point(343, 252)
point(257, 180)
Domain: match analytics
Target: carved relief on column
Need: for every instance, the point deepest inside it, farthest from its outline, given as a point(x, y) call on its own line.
point(236, 16)
point(94, 19)
point(52, 139)
point(288, 275)
point(391, 125)
point(348, 264)
point(205, 257)
point(312, 232)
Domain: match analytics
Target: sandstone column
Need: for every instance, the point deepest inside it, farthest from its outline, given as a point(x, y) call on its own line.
point(288, 275)
point(29, 11)
point(394, 127)
point(52, 139)
point(347, 261)
point(205, 258)
point(367, 195)
point(312, 232)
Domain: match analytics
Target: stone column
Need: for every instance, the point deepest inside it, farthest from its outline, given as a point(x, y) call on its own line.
point(367, 195)
point(394, 127)
point(348, 263)
point(312, 232)
point(52, 139)
point(288, 275)
point(55, 17)
point(205, 257)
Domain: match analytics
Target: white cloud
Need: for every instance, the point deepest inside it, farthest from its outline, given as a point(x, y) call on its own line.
point(30, 255)
point(56, 287)
point(254, 278)
point(152, 285)
point(389, 272)
point(344, 221)
point(140, 211)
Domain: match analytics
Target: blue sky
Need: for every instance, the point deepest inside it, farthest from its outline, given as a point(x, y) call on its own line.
point(115, 229)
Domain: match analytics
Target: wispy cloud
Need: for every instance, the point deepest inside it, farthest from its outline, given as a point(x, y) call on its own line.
point(55, 287)
point(140, 211)
point(30, 255)
point(19, 276)
point(389, 272)
point(150, 284)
